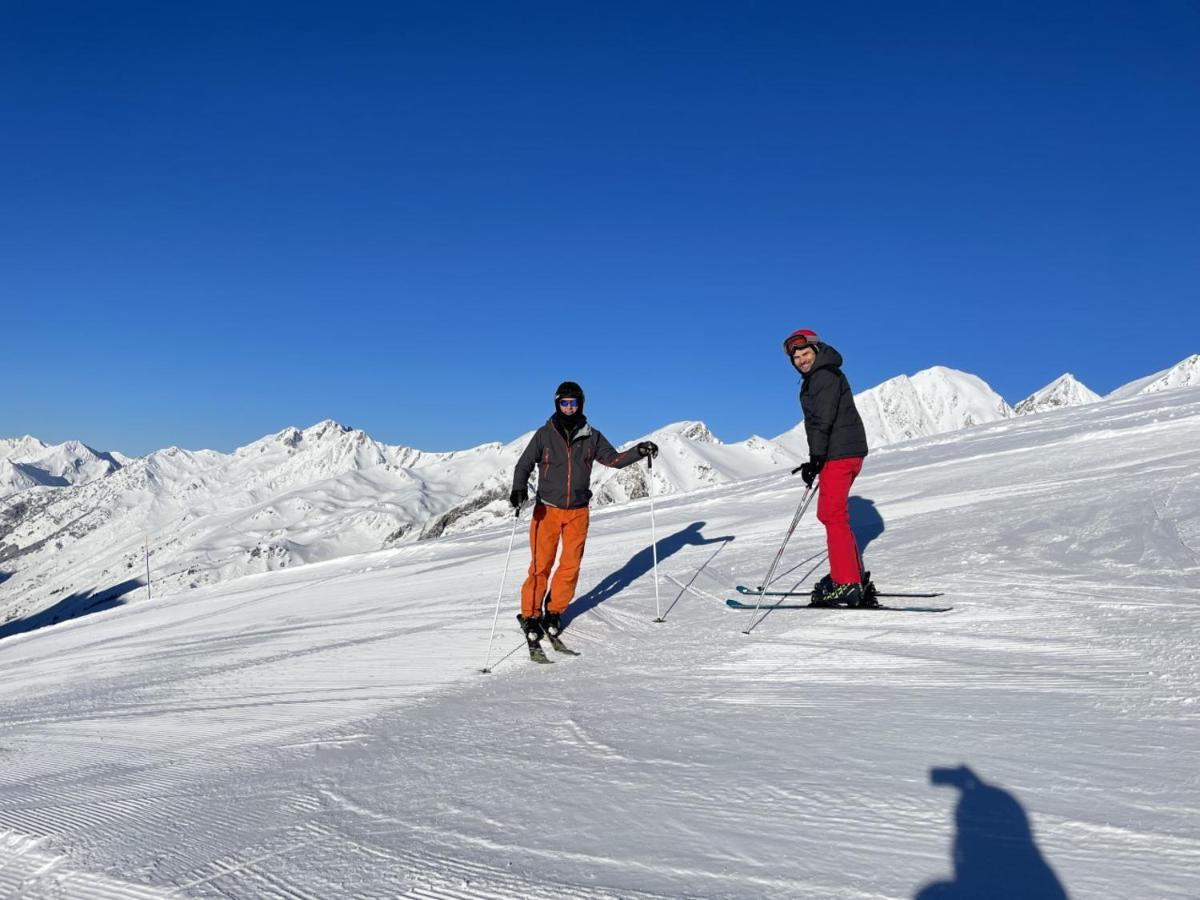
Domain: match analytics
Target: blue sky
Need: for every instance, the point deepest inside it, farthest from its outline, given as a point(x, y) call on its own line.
point(219, 219)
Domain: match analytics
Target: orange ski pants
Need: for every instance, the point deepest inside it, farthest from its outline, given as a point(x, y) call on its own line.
point(550, 527)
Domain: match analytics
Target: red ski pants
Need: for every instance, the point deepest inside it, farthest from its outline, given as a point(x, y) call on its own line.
point(550, 528)
point(845, 565)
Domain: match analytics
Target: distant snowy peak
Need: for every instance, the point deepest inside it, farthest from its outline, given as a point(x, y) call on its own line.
point(690, 431)
point(325, 450)
point(292, 439)
point(690, 458)
point(933, 401)
point(26, 447)
point(1064, 391)
point(959, 399)
point(1185, 373)
point(76, 462)
point(29, 462)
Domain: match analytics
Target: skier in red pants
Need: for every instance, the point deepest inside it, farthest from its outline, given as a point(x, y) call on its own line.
point(837, 444)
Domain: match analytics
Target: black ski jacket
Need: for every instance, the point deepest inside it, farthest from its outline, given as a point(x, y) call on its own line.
point(831, 421)
point(565, 465)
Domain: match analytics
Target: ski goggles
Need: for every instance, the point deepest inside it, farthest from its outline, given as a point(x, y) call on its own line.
point(799, 342)
point(568, 403)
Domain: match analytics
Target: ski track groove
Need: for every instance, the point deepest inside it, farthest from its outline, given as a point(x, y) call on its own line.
point(26, 864)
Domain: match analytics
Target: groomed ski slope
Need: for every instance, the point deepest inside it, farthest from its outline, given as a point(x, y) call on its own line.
point(325, 732)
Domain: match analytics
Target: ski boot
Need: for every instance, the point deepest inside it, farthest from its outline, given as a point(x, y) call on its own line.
point(869, 599)
point(849, 595)
point(533, 636)
point(552, 625)
point(820, 592)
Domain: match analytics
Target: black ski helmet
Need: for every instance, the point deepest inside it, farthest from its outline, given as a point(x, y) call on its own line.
point(568, 389)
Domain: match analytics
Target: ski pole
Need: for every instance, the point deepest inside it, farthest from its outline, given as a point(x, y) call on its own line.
point(496, 618)
point(809, 493)
point(653, 536)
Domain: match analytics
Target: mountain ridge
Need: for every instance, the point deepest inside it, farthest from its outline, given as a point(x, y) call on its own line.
point(305, 495)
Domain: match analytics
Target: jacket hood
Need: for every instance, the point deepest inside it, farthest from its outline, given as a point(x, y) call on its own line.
point(827, 358)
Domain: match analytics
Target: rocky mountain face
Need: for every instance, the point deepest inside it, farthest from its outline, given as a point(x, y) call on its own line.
point(1064, 391)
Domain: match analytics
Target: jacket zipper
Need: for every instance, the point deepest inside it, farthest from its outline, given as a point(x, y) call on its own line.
point(569, 455)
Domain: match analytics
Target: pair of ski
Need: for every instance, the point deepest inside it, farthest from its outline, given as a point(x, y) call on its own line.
point(774, 600)
point(538, 655)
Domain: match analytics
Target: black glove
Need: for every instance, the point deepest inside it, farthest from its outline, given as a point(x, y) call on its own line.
point(810, 469)
point(647, 448)
point(518, 497)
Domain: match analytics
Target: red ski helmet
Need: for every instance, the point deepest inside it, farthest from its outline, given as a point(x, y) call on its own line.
point(802, 338)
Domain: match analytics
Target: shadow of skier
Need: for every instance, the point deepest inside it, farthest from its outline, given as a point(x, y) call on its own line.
point(639, 564)
point(994, 854)
point(865, 521)
point(72, 607)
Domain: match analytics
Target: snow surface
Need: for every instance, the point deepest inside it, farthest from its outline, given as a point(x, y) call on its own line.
point(324, 731)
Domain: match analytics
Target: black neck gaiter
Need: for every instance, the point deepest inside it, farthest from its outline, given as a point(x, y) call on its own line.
point(568, 425)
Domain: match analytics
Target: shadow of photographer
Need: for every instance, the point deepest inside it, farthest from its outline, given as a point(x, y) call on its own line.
point(994, 853)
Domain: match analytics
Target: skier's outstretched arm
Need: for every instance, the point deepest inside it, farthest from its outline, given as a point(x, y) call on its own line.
point(607, 455)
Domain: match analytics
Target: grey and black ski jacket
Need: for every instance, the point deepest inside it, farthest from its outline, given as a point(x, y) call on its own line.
point(565, 468)
point(831, 421)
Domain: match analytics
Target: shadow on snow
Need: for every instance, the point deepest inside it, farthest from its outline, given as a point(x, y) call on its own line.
point(72, 607)
point(865, 521)
point(639, 564)
point(994, 854)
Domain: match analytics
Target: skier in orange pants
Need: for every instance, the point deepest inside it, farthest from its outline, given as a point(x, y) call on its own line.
point(564, 450)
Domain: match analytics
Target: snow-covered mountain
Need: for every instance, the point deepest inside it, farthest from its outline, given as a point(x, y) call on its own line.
point(1185, 373)
point(298, 496)
point(28, 462)
point(74, 523)
point(946, 400)
point(295, 497)
point(1064, 391)
point(933, 401)
point(690, 457)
